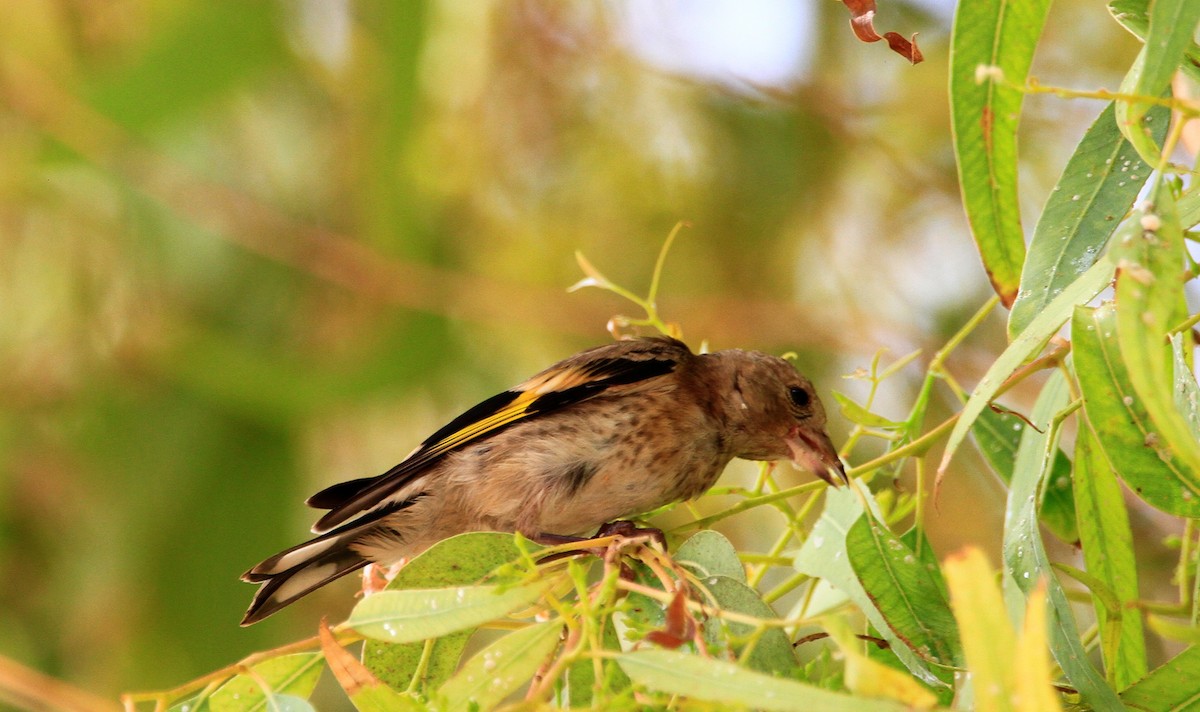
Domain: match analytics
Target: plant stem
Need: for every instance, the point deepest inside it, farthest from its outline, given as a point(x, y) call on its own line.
point(959, 336)
point(655, 278)
point(1185, 554)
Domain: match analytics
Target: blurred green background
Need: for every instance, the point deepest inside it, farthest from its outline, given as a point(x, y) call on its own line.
point(248, 249)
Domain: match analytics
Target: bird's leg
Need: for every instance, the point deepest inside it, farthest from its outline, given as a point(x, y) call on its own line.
point(555, 539)
point(628, 530)
point(621, 528)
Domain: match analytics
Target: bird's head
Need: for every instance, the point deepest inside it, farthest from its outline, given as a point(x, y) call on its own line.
point(772, 412)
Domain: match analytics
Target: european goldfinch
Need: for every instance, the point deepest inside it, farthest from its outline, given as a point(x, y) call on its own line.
point(607, 433)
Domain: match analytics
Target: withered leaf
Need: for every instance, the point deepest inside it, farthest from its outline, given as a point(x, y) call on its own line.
point(352, 675)
point(680, 625)
point(862, 21)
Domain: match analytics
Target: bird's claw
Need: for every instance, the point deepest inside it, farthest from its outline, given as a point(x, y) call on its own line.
point(623, 529)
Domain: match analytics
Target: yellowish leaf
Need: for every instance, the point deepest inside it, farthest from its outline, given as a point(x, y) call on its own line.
point(870, 678)
point(1034, 692)
point(987, 637)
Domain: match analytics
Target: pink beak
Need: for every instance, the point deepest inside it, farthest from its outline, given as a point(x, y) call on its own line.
point(814, 451)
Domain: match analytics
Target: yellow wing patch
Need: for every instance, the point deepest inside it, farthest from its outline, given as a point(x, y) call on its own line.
point(547, 391)
point(510, 413)
point(536, 387)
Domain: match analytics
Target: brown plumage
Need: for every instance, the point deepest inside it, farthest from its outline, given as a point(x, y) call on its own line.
point(607, 433)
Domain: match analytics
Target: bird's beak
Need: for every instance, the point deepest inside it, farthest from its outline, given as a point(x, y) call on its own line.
point(812, 450)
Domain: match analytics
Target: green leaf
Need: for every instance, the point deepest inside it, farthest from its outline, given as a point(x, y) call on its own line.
point(721, 682)
point(1189, 203)
point(581, 676)
point(459, 560)
point(1108, 554)
point(1118, 416)
point(642, 613)
point(1025, 556)
point(1171, 630)
point(823, 556)
point(1134, 15)
point(998, 435)
point(772, 651)
point(418, 614)
point(197, 703)
point(856, 413)
point(1187, 391)
point(915, 540)
point(907, 594)
point(867, 677)
point(288, 703)
point(993, 33)
point(925, 555)
point(381, 698)
point(709, 553)
point(1168, 36)
point(1173, 687)
point(1028, 343)
point(287, 675)
point(1149, 301)
point(501, 668)
point(1096, 189)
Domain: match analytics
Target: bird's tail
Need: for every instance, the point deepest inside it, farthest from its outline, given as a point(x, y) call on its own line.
point(295, 572)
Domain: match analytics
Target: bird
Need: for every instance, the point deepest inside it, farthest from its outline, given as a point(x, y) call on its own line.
point(613, 431)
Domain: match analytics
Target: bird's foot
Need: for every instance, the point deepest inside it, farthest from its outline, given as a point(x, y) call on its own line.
point(376, 577)
point(622, 529)
point(629, 530)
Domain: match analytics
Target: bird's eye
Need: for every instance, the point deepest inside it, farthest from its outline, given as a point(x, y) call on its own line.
point(800, 397)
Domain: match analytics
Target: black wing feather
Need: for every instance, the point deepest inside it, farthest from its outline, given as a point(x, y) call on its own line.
point(595, 373)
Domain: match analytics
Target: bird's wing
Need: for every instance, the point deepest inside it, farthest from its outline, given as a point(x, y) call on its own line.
point(576, 379)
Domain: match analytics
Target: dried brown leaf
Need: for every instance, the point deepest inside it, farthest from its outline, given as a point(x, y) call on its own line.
point(352, 675)
point(680, 625)
point(862, 21)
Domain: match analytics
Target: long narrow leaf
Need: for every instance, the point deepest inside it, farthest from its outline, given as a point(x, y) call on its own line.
point(1171, 26)
point(994, 33)
point(1187, 391)
point(866, 676)
point(1028, 343)
point(1121, 422)
point(989, 644)
point(1107, 542)
point(1172, 687)
point(1034, 673)
point(821, 556)
point(1025, 555)
point(287, 675)
point(998, 435)
point(1149, 302)
point(717, 681)
point(1096, 189)
point(458, 561)
point(418, 614)
point(501, 668)
point(1134, 15)
point(1188, 206)
point(906, 593)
